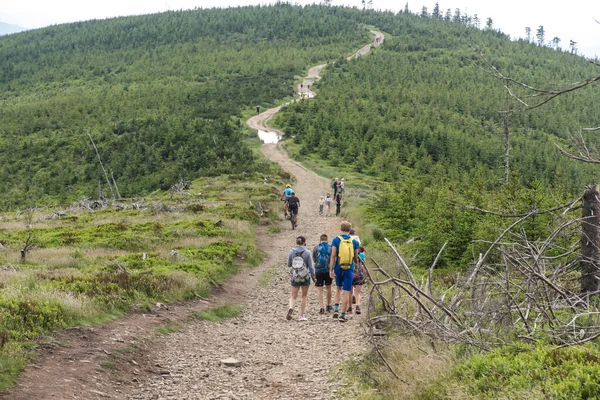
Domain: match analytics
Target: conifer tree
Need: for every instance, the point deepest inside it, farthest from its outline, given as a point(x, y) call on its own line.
point(540, 35)
point(436, 11)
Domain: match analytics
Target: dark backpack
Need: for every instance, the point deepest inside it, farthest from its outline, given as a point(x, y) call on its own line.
point(292, 201)
point(323, 257)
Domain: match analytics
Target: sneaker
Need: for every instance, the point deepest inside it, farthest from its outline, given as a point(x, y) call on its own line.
point(322, 311)
point(336, 314)
point(329, 309)
point(349, 311)
point(353, 299)
point(289, 314)
point(302, 318)
point(357, 310)
point(343, 318)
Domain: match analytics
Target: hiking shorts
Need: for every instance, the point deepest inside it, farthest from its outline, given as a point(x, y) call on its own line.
point(298, 284)
point(344, 278)
point(359, 279)
point(323, 279)
point(294, 209)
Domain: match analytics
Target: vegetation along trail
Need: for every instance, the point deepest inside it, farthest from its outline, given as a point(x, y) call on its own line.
point(279, 359)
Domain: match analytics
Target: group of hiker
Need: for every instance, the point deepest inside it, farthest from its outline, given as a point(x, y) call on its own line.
point(338, 187)
point(292, 202)
point(342, 261)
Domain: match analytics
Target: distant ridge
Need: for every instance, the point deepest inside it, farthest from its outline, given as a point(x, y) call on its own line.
point(7, 29)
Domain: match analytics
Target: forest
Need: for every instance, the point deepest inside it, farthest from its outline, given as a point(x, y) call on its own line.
point(424, 115)
point(160, 95)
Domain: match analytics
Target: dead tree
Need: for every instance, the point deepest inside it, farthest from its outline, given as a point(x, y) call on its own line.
point(590, 235)
point(28, 246)
point(518, 288)
point(101, 165)
point(506, 140)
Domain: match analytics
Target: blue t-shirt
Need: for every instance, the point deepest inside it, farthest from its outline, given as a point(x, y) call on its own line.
point(336, 243)
point(288, 192)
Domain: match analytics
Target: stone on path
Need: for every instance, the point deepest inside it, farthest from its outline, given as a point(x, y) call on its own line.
point(231, 362)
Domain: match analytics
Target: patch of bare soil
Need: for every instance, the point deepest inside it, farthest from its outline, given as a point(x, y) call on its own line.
point(277, 359)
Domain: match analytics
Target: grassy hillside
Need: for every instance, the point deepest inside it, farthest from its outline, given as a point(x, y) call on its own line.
point(161, 95)
point(164, 98)
point(418, 125)
point(421, 114)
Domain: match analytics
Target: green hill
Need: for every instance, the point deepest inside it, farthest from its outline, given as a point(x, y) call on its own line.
point(422, 113)
point(161, 95)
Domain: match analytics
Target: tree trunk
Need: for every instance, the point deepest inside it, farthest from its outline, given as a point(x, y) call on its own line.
point(590, 252)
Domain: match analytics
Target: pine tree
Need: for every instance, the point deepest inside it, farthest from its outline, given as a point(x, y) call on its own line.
point(489, 24)
point(424, 13)
point(436, 11)
point(573, 46)
point(528, 33)
point(456, 17)
point(540, 35)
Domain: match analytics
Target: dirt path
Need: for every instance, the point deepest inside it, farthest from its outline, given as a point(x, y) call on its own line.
point(279, 359)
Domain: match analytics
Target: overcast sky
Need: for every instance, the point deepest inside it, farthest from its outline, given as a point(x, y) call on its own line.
point(571, 20)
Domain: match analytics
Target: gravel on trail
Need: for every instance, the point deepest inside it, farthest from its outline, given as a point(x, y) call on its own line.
point(257, 355)
point(260, 354)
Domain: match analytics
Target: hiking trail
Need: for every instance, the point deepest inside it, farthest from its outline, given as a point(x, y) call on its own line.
point(279, 359)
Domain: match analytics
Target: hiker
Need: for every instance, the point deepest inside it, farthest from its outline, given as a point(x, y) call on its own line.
point(334, 186)
point(354, 236)
point(258, 109)
point(338, 204)
point(287, 192)
point(321, 255)
point(344, 256)
point(292, 205)
point(301, 273)
point(342, 185)
point(321, 204)
point(328, 204)
point(358, 281)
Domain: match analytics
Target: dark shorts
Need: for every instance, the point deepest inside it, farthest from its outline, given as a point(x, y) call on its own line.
point(293, 209)
point(358, 280)
point(323, 278)
point(296, 284)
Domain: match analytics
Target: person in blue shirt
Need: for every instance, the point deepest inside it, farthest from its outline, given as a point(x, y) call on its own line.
point(321, 255)
point(287, 192)
point(343, 277)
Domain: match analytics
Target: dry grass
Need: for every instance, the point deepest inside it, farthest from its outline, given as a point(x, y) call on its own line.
point(56, 257)
point(27, 286)
point(417, 362)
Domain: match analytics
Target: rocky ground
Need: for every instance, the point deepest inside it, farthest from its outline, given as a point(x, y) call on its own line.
point(273, 358)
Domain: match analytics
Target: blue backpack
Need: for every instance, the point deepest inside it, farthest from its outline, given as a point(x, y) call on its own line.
point(323, 257)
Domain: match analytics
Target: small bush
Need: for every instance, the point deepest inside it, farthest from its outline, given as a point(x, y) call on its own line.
point(12, 361)
point(218, 313)
point(567, 373)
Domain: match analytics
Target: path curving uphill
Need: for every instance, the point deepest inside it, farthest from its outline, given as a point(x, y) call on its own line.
point(278, 359)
